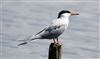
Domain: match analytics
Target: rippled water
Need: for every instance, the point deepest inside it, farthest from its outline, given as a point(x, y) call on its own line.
point(20, 19)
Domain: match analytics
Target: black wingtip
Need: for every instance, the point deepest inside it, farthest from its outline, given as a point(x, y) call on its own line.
point(22, 43)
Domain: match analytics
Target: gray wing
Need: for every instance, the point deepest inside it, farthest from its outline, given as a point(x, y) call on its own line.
point(49, 28)
point(57, 29)
point(51, 31)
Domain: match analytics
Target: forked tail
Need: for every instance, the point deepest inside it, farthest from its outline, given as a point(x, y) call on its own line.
point(28, 40)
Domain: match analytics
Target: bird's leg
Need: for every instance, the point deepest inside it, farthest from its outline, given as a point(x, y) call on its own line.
point(54, 41)
point(57, 41)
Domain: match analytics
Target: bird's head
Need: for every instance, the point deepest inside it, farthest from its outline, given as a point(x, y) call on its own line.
point(66, 13)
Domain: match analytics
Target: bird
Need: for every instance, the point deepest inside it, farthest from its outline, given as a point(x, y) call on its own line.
point(54, 29)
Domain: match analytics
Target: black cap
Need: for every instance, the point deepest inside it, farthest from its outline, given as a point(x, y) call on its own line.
point(62, 12)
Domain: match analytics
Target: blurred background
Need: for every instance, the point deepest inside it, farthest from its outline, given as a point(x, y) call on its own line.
point(23, 18)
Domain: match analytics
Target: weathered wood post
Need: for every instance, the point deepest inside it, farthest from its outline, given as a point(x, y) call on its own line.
point(54, 51)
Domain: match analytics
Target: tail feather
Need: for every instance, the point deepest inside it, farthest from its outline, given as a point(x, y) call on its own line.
point(28, 40)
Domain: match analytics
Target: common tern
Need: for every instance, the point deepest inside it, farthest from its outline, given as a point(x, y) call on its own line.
point(54, 29)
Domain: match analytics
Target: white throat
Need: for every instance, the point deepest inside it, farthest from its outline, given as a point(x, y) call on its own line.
point(65, 19)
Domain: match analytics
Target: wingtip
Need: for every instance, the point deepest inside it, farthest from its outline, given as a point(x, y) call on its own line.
point(22, 43)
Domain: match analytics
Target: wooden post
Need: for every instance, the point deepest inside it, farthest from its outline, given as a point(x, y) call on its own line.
point(54, 51)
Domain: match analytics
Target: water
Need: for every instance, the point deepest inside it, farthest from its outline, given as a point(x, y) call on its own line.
point(20, 19)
